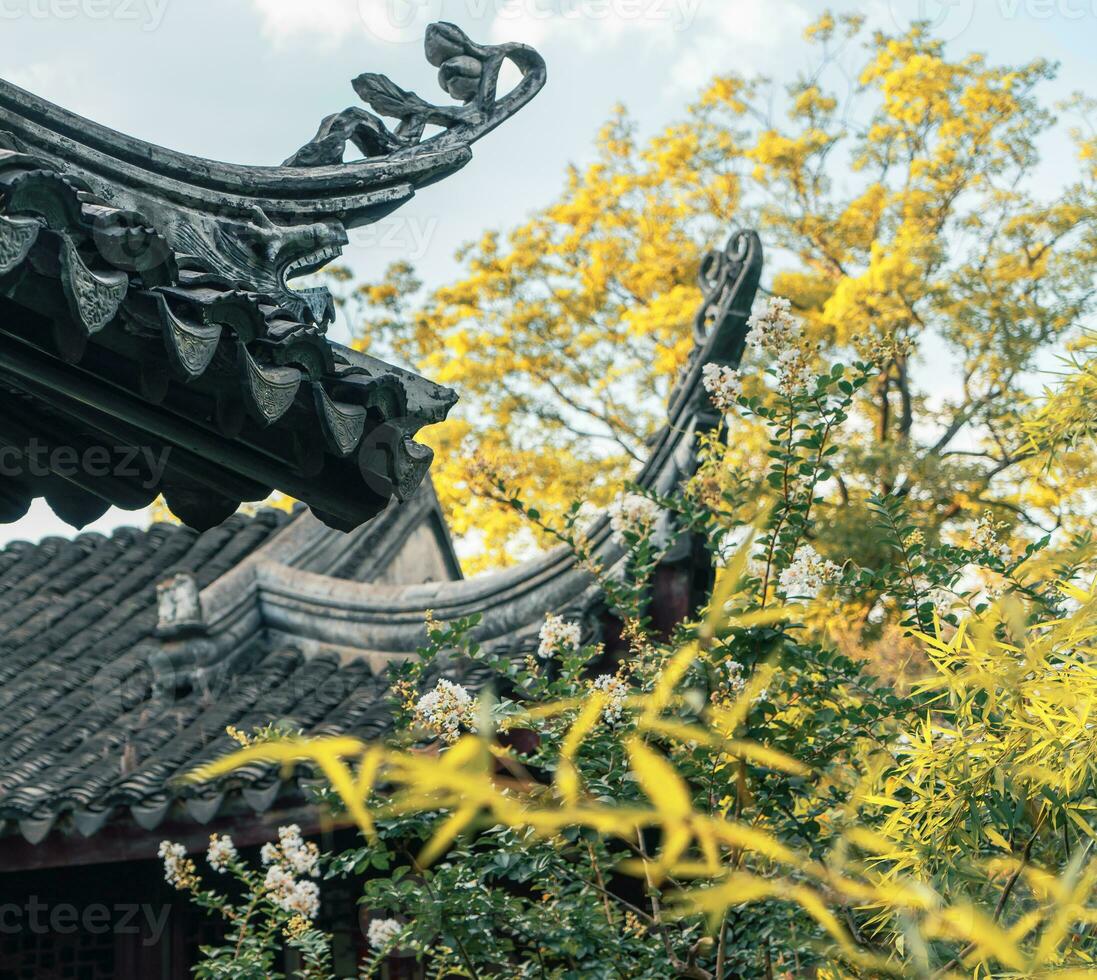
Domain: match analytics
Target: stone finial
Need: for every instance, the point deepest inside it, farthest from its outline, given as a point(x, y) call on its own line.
point(179, 605)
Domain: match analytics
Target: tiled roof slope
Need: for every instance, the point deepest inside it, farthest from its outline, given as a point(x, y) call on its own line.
point(83, 727)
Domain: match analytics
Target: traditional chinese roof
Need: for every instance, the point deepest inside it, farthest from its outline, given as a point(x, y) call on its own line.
point(96, 721)
point(147, 317)
point(124, 658)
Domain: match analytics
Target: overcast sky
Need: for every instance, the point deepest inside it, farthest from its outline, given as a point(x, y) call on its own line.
point(248, 81)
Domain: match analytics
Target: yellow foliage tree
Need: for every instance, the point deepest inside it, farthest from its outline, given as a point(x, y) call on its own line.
point(902, 220)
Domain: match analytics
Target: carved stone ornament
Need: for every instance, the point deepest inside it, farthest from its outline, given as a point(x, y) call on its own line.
point(17, 235)
point(466, 71)
point(265, 226)
point(178, 604)
point(729, 280)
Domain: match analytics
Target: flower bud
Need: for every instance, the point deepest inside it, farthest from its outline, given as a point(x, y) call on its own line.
point(444, 41)
point(460, 77)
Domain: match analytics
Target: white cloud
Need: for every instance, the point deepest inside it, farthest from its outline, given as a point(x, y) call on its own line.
point(742, 36)
point(522, 26)
point(762, 23)
point(705, 37)
point(592, 23)
point(330, 21)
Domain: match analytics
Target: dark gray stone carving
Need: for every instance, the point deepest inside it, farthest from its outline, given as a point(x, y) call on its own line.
point(265, 226)
point(468, 72)
point(191, 344)
point(17, 235)
point(729, 279)
point(94, 298)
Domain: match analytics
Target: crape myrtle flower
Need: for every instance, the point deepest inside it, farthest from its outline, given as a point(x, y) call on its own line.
point(558, 635)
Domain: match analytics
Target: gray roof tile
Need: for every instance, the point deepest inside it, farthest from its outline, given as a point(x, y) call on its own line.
point(82, 726)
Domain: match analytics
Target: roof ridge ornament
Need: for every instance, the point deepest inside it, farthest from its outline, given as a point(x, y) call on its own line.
point(729, 280)
point(265, 226)
point(468, 72)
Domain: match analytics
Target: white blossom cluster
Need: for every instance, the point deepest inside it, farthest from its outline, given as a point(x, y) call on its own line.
point(633, 513)
point(292, 852)
point(445, 709)
point(382, 932)
point(807, 574)
point(737, 680)
point(794, 374)
point(299, 897)
point(558, 634)
point(775, 329)
point(941, 599)
point(617, 691)
point(220, 853)
point(985, 537)
point(736, 675)
point(178, 869)
point(287, 859)
point(723, 385)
